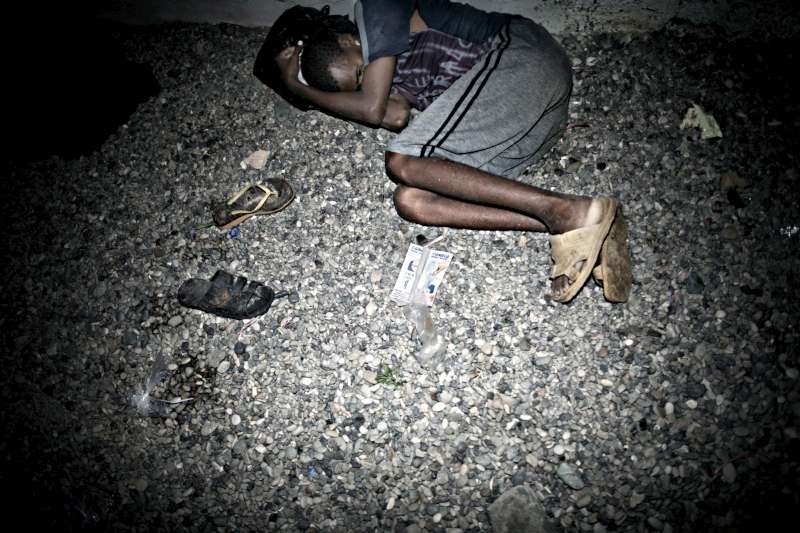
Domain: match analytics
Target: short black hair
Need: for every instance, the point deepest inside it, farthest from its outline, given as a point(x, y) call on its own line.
point(318, 56)
point(297, 23)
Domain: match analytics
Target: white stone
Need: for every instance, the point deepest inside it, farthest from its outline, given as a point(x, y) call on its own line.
point(257, 159)
point(236, 420)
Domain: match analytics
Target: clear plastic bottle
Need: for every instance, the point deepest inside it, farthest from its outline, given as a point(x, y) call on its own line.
point(433, 343)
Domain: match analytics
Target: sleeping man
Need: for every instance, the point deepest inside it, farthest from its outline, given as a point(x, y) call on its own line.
point(492, 91)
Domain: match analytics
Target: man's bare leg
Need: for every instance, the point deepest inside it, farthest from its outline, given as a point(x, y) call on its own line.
point(438, 192)
point(516, 205)
point(432, 209)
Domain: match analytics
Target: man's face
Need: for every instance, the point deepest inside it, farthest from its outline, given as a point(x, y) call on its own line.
point(349, 68)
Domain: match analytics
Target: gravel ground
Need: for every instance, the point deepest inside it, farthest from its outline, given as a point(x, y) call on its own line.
point(677, 411)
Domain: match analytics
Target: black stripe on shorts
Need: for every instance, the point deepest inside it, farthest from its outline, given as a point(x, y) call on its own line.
point(505, 40)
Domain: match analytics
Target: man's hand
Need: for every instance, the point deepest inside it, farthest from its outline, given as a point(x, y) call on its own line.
point(288, 61)
point(397, 113)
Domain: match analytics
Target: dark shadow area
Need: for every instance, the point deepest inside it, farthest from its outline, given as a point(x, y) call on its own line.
point(68, 85)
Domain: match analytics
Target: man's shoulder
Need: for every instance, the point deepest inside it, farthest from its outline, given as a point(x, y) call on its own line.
point(383, 26)
point(386, 7)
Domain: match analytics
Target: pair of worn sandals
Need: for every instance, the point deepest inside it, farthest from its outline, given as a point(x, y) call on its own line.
point(231, 296)
point(600, 250)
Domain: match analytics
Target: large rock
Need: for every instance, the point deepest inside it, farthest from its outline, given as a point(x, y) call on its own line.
point(518, 511)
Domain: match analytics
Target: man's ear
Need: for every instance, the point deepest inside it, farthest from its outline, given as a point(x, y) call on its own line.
point(286, 53)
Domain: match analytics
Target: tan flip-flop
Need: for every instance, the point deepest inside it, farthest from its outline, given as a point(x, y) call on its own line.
point(575, 252)
point(274, 195)
point(614, 272)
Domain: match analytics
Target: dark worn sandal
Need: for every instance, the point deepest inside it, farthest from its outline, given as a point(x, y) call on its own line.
point(227, 296)
point(257, 199)
point(613, 272)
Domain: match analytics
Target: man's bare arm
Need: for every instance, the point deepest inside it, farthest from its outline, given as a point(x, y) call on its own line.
point(368, 105)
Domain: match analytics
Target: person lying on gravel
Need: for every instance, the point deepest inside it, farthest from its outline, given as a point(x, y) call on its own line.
point(492, 90)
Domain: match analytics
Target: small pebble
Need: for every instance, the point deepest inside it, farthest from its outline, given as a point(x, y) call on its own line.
point(729, 473)
point(635, 499)
point(570, 476)
point(236, 419)
point(223, 367)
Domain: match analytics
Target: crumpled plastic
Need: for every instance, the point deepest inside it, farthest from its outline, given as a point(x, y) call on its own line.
point(696, 117)
point(141, 399)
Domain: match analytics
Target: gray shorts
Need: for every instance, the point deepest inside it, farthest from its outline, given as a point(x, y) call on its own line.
point(503, 114)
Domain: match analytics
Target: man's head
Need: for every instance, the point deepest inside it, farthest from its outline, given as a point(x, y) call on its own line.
point(333, 62)
point(297, 23)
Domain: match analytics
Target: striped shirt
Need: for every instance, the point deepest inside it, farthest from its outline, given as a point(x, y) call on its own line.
point(433, 62)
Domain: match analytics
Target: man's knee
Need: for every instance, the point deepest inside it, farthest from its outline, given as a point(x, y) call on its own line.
point(397, 167)
point(410, 203)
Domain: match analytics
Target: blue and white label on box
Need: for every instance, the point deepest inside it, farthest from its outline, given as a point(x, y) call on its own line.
point(432, 273)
